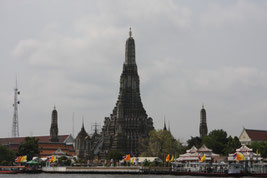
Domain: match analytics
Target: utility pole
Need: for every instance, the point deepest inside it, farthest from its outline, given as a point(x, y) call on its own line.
point(15, 123)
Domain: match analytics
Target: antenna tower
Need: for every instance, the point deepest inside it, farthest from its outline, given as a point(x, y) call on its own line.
point(15, 123)
point(95, 127)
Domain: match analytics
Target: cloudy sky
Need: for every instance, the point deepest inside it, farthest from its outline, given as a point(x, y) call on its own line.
point(70, 54)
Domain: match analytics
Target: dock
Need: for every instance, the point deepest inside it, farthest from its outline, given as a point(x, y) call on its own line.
point(94, 170)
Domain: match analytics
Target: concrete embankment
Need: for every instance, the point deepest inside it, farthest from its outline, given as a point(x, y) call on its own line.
point(94, 170)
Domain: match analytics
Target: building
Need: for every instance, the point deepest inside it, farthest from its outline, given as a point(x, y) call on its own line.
point(193, 155)
point(248, 136)
point(203, 128)
point(86, 145)
point(54, 127)
point(48, 145)
point(248, 154)
point(128, 122)
point(82, 144)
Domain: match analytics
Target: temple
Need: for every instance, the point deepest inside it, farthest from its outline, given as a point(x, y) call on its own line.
point(128, 122)
point(203, 129)
point(53, 144)
point(54, 127)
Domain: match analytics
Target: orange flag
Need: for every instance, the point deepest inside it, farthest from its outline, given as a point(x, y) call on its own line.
point(128, 157)
point(18, 159)
point(168, 158)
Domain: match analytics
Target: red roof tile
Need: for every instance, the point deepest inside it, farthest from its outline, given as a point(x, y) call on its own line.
point(18, 140)
point(46, 147)
point(52, 145)
point(257, 135)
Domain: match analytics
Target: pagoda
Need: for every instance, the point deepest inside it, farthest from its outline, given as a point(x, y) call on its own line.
point(128, 122)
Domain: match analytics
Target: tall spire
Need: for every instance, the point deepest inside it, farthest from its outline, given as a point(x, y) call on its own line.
point(82, 123)
point(164, 128)
point(203, 129)
point(130, 32)
point(54, 126)
point(130, 50)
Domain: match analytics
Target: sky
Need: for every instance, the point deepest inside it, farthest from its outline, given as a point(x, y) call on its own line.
point(70, 54)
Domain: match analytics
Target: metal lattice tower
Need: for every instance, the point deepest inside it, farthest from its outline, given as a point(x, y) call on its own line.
point(15, 123)
point(95, 127)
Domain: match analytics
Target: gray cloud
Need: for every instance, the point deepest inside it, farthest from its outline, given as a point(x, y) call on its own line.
point(71, 55)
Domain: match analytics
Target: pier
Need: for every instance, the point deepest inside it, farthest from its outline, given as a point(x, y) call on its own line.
point(94, 170)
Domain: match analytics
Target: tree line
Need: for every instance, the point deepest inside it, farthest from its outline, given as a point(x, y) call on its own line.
point(29, 147)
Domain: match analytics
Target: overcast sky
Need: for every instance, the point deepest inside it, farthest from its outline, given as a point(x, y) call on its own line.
point(70, 54)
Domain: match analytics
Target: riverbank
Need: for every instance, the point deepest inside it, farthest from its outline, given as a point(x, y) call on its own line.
point(94, 170)
point(134, 170)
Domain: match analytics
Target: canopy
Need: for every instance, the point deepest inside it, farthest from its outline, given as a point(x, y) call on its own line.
point(32, 162)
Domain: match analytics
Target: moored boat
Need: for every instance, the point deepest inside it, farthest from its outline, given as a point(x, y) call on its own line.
point(11, 169)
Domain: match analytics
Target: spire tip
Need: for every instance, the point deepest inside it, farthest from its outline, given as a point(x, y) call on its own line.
point(130, 32)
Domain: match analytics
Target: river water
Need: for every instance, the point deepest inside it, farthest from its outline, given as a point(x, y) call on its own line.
point(44, 175)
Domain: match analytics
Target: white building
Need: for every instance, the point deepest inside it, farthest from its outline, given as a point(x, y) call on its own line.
point(248, 135)
point(248, 154)
point(193, 155)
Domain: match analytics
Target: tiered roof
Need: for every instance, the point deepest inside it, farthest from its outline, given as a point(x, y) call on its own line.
point(247, 152)
point(244, 148)
point(193, 154)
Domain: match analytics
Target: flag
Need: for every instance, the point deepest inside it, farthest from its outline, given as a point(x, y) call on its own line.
point(23, 158)
point(203, 158)
point(239, 157)
point(127, 157)
point(168, 158)
point(52, 159)
point(242, 156)
point(172, 158)
point(234, 155)
point(133, 161)
point(18, 159)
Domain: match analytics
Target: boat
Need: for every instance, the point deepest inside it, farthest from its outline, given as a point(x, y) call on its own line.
point(12, 169)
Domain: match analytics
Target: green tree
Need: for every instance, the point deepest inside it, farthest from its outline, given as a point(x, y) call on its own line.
point(260, 146)
point(194, 141)
point(232, 145)
point(64, 161)
point(161, 143)
point(29, 147)
point(115, 155)
point(217, 141)
point(7, 156)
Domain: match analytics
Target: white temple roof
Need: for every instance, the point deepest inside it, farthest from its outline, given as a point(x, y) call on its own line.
point(192, 150)
point(244, 148)
point(204, 148)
